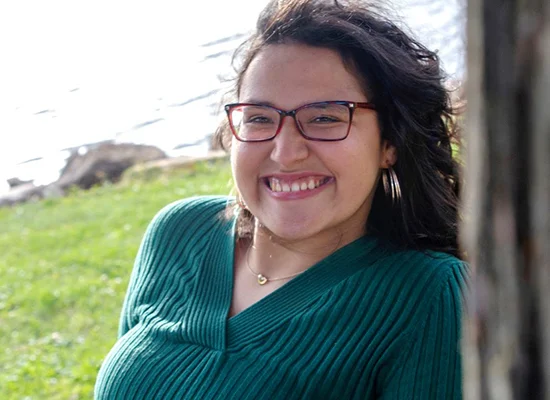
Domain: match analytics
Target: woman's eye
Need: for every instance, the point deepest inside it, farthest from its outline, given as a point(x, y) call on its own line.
point(258, 119)
point(325, 119)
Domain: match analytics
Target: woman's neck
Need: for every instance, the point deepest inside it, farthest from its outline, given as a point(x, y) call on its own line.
point(274, 257)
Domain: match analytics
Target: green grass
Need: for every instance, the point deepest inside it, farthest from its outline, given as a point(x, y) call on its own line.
point(64, 268)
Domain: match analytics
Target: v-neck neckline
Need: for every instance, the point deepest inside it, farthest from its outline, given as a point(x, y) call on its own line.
point(291, 298)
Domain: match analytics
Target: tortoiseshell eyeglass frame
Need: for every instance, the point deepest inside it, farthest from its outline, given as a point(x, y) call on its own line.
point(352, 106)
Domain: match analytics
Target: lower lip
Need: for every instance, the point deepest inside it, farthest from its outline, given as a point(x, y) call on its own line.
point(301, 194)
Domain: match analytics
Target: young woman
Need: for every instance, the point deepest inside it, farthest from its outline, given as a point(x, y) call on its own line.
point(336, 273)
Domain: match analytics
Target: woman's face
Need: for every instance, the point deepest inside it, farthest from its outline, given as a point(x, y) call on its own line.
point(288, 76)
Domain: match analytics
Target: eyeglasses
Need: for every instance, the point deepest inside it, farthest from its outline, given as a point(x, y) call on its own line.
point(326, 121)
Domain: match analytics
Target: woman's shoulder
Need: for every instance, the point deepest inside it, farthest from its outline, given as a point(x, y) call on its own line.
point(192, 207)
point(433, 265)
point(420, 277)
point(196, 209)
point(192, 216)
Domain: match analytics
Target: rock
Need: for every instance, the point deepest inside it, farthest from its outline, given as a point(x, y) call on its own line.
point(15, 182)
point(52, 191)
point(155, 168)
point(105, 162)
point(22, 193)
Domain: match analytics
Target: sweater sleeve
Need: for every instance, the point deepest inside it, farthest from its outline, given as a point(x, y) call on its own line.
point(166, 238)
point(142, 266)
point(431, 366)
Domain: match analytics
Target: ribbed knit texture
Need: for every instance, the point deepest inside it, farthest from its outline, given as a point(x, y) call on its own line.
point(366, 322)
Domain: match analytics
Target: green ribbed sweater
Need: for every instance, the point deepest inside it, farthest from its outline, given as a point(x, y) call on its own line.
point(366, 322)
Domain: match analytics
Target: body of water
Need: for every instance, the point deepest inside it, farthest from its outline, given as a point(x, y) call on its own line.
point(149, 73)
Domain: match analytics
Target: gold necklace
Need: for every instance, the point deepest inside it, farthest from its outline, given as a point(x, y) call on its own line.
point(261, 278)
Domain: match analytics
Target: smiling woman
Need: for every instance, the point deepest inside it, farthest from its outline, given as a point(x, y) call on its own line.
point(335, 273)
point(294, 76)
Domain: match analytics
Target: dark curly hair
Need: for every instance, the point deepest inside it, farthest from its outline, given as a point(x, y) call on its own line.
point(405, 82)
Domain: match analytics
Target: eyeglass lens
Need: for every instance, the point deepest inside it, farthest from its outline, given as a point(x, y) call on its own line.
point(317, 121)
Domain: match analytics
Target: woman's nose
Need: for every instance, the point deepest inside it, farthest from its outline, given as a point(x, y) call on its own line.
point(289, 146)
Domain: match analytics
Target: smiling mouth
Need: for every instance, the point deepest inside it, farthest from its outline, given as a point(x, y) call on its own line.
point(298, 185)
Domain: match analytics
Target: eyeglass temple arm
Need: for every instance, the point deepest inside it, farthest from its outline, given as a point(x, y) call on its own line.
point(365, 105)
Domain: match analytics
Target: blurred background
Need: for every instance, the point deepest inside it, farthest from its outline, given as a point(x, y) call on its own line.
point(76, 73)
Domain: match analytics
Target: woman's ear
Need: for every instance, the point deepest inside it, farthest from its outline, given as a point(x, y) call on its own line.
point(389, 155)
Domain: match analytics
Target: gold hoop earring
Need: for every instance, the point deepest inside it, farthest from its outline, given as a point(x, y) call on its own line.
point(391, 185)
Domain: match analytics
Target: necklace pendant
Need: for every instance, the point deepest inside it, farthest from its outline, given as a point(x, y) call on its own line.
point(262, 280)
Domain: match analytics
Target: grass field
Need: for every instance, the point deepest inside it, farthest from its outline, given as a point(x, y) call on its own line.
point(64, 268)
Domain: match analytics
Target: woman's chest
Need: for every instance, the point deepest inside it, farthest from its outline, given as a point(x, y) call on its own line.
point(293, 361)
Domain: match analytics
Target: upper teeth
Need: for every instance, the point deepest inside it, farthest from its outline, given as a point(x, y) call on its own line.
point(303, 184)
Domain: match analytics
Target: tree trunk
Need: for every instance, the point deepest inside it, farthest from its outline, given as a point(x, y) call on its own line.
point(506, 231)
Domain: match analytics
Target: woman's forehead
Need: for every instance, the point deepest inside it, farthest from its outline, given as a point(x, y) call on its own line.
point(298, 71)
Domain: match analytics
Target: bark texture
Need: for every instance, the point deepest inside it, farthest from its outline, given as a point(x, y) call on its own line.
point(507, 200)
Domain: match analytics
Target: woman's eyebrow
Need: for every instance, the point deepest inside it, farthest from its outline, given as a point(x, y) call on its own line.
point(260, 102)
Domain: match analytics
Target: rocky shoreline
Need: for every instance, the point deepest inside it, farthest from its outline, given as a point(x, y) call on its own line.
point(106, 162)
